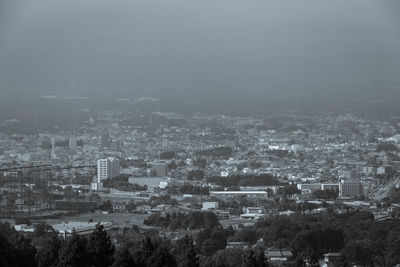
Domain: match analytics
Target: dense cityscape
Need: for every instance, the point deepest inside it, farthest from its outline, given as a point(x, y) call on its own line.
point(283, 189)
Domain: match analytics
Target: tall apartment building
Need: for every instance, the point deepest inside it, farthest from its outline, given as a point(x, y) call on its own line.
point(107, 168)
point(350, 189)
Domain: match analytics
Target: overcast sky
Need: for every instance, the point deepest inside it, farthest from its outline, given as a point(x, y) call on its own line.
point(118, 47)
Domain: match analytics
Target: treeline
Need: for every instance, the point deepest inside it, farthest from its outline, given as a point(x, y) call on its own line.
point(191, 220)
point(386, 146)
point(207, 252)
point(44, 247)
point(245, 180)
point(46, 144)
point(168, 155)
point(188, 189)
point(360, 239)
point(216, 152)
point(326, 194)
point(195, 175)
point(121, 182)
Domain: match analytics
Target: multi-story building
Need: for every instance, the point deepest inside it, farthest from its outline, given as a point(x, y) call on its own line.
point(234, 194)
point(107, 168)
point(316, 187)
point(350, 189)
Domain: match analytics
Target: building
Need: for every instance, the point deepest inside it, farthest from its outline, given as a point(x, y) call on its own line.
point(350, 189)
point(276, 255)
point(95, 186)
point(253, 213)
point(159, 168)
point(368, 170)
point(53, 148)
point(382, 170)
point(107, 168)
point(233, 194)
point(254, 210)
point(316, 187)
point(210, 206)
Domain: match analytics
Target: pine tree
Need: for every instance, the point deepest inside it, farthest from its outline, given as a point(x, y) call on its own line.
point(250, 260)
point(189, 257)
point(48, 247)
point(161, 258)
point(74, 252)
point(123, 257)
point(100, 248)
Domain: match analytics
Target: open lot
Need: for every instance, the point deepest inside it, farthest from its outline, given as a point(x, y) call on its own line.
point(118, 219)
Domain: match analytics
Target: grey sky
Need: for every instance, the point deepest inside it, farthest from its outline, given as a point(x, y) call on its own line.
point(344, 47)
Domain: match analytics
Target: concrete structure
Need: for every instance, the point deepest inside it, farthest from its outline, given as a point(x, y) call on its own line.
point(66, 228)
point(277, 255)
point(369, 170)
point(232, 194)
point(384, 170)
point(210, 206)
point(316, 187)
point(253, 213)
point(254, 210)
point(95, 186)
point(53, 148)
point(107, 168)
point(251, 216)
point(350, 189)
point(274, 188)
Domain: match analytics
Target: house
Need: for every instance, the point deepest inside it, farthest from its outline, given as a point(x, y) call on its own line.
point(277, 255)
point(222, 215)
point(253, 213)
point(210, 206)
point(119, 206)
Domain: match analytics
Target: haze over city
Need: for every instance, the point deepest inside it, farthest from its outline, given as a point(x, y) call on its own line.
point(130, 48)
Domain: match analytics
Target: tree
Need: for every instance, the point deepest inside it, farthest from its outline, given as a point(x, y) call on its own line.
point(250, 259)
point(22, 251)
point(47, 244)
point(247, 235)
point(161, 258)
point(106, 206)
point(210, 219)
point(261, 260)
point(195, 175)
point(255, 258)
point(74, 252)
point(131, 206)
point(188, 257)
point(358, 252)
point(227, 258)
point(123, 257)
point(100, 248)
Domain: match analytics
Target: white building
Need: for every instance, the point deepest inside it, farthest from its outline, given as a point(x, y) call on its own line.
point(233, 194)
point(107, 168)
point(210, 206)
